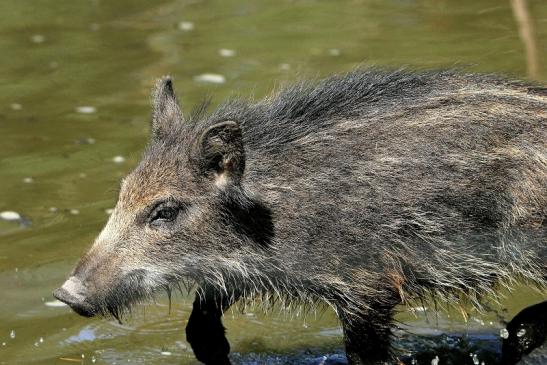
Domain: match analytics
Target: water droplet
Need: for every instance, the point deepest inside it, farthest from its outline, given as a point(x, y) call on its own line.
point(10, 215)
point(186, 26)
point(118, 159)
point(475, 359)
point(53, 209)
point(210, 78)
point(225, 52)
point(86, 109)
point(3, 344)
point(521, 332)
point(109, 211)
point(93, 359)
point(166, 353)
point(504, 333)
point(41, 340)
point(12, 334)
point(28, 180)
point(74, 211)
point(16, 106)
point(83, 356)
point(435, 361)
point(334, 52)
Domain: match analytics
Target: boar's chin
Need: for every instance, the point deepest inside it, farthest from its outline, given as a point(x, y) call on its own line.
point(119, 298)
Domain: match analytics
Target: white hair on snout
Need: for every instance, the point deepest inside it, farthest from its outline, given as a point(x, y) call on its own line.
point(74, 287)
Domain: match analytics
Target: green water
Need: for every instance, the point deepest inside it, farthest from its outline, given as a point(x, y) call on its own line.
point(59, 55)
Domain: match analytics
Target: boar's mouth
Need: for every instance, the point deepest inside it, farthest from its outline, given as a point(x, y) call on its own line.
point(114, 300)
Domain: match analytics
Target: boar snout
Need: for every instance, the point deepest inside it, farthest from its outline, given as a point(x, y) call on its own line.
point(73, 293)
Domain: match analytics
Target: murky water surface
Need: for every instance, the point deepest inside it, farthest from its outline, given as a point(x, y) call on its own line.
point(74, 112)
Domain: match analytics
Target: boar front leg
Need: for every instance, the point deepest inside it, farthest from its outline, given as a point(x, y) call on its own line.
point(205, 331)
point(367, 337)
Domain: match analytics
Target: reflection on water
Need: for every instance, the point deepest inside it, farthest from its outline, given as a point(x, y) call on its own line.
point(74, 113)
point(528, 36)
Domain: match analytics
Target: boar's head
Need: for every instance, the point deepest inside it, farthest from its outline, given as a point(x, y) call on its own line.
point(183, 213)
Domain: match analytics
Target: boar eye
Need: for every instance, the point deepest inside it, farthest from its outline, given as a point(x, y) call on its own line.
point(164, 212)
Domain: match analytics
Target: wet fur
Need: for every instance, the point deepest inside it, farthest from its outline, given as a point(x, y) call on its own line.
point(378, 181)
point(363, 191)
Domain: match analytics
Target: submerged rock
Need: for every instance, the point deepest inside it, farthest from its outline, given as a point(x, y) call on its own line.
point(38, 38)
point(225, 52)
point(86, 109)
point(12, 216)
point(118, 159)
point(186, 26)
point(210, 78)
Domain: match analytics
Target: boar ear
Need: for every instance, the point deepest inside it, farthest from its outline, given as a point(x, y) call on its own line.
point(221, 156)
point(167, 111)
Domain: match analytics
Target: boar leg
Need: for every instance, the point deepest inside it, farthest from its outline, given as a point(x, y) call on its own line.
point(525, 332)
point(367, 337)
point(205, 331)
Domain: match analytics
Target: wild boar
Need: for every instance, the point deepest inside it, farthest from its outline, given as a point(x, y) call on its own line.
point(362, 191)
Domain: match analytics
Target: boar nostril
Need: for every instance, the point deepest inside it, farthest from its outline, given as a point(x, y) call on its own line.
point(62, 295)
point(72, 293)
